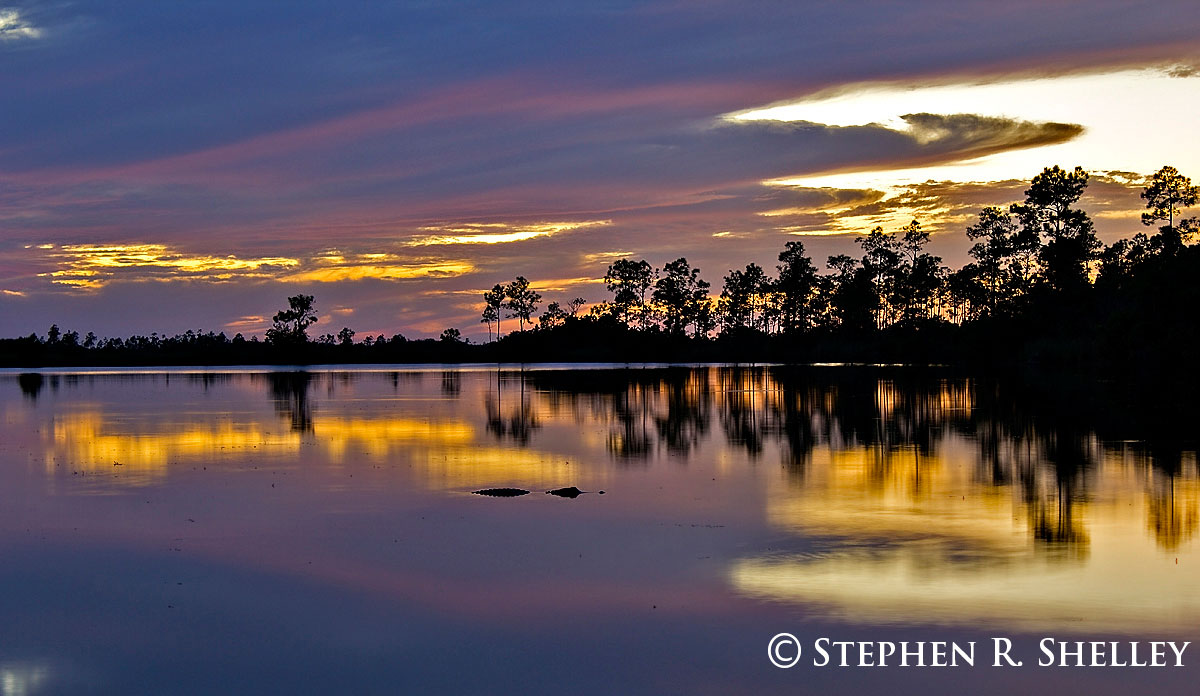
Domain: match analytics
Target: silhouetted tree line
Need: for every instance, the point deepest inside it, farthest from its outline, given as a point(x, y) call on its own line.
point(1040, 287)
point(286, 342)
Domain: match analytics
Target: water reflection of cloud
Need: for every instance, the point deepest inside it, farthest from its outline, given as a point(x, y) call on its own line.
point(873, 445)
point(22, 678)
point(928, 500)
point(440, 453)
point(918, 541)
point(933, 582)
point(139, 452)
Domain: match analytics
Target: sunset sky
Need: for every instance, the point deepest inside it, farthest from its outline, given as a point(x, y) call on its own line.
point(166, 166)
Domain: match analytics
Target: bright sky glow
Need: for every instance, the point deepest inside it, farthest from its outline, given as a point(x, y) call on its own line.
point(13, 26)
point(497, 232)
point(1132, 120)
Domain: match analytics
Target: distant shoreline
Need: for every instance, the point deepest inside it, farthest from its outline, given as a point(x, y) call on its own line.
point(326, 368)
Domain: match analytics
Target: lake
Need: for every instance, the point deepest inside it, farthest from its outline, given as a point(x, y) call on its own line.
point(248, 531)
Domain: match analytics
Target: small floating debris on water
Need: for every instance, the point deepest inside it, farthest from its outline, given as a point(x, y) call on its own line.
point(502, 492)
point(568, 492)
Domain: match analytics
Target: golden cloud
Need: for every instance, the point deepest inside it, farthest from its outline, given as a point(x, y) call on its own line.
point(91, 266)
point(561, 284)
point(799, 232)
point(333, 267)
point(252, 321)
point(94, 265)
point(606, 256)
point(496, 232)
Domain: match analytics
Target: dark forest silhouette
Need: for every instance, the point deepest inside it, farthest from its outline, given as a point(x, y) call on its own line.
point(1040, 288)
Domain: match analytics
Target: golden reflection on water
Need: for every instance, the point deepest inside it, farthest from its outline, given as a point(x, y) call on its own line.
point(89, 442)
point(446, 453)
point(377, 439)
point(925, 501)
point(912, 539)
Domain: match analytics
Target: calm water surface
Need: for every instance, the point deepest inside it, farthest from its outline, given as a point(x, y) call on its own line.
point(299, 532)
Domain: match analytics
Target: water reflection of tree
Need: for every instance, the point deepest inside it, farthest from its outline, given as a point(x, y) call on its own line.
point(1171, 496)
point(688, 404)
point(796, 419)
point(1067, 456)
point(31, 385)
point(642, 409)
point(1044, 440)
point(514, 421)
point(209, 379)
point(289, 393)
point(633, 438)
point(742, 418)
point(451, 383)
point(410, 380)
